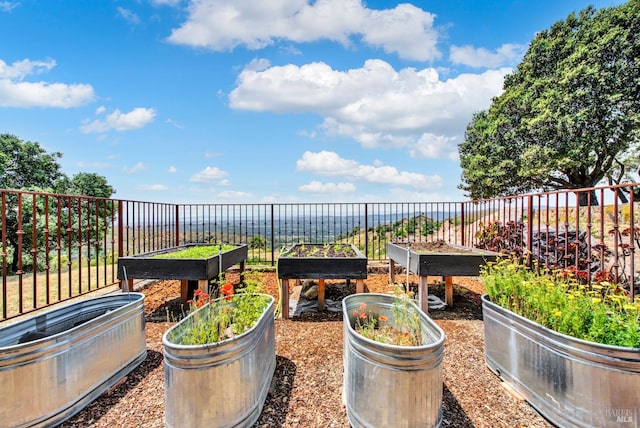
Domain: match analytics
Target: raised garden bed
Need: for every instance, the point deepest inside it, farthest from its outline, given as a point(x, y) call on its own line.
point(171, 263)
point(436, 258)
point(320, 261)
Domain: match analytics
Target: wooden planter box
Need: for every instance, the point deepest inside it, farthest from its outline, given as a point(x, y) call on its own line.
point(319, 266)
point(448, 260)
point(199, 271)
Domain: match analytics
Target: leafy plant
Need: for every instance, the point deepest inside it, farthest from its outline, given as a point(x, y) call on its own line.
point(556, 299)
point(403, 330)
point(195, 252)
point(231, 314)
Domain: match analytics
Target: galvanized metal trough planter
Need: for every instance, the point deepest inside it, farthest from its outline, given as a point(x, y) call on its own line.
point(53, 364)
point(387, 385)
point(224, 384)
point(571, 382)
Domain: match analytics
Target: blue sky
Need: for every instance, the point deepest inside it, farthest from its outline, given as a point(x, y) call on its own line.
point(241, 101)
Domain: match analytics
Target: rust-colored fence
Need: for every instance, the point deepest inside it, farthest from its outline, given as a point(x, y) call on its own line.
point(54, 247)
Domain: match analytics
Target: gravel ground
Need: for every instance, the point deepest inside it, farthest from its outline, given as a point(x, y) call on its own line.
point(307, 384)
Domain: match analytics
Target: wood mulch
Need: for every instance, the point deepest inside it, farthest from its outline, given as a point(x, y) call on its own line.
point(307, 384)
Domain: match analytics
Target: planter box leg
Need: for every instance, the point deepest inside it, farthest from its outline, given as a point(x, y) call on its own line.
point(359, 285)
point(423, 293)
point(203, 285)
point(184, 291)
point(320, 295)
point(284, 299)
point(448, 291)
point(126, 285)
point(392, 272)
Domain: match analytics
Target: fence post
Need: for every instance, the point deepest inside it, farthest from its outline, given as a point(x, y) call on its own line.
point(273, 243)
point(177, 221)
point(529, 229)
point(366, 230)
point(463, 237)
point(120, 230)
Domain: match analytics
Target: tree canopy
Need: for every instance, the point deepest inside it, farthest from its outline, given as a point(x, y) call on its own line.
point(25, 165)
point(569, 115)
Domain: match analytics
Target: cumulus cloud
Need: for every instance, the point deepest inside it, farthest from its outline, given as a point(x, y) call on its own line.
point(210, 173)
point(152, 187)
point(172, 169)
point(128, 15)
point(319, 187)
point(505, 55)
point(119, 121)
point(330, 164)
point(8, 6)
point(134, 169)
point(233, 194)
point(223, 25)
point(375, 105)
point(16, 92)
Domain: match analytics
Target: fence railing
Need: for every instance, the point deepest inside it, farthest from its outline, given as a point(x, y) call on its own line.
point(54, 247)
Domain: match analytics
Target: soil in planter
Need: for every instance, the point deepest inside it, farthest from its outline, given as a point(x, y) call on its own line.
point(434, 247)
point(320, 250)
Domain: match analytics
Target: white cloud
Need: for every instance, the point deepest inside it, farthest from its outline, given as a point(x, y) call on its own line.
point(8, 6)
point(233, 194)
point(172, 169)
point(505, 55)
point(134, 169)
point(128, 15)
point(16, 92)
point(210, 173)
point(152, 187)
point(222, 25)
point(330, 164)
point(431, 146)
point(375, 105)
point(118, 121)
point(319, 187)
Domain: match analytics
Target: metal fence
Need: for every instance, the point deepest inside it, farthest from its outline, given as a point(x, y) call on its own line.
point(54, 247)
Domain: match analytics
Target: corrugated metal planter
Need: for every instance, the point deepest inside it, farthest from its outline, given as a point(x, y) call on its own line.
point(571, 382)
point(387, 385)
point(54, 364)
point(223, 384)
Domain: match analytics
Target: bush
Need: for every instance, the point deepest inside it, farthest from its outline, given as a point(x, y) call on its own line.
point(600, 313)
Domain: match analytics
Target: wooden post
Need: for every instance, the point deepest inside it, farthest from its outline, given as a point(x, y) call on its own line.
point(360, 285)
point(284, 299)
point(423, 293)
point(448, 291)
point(392, 271)
point(320, 295)
point(184, 291)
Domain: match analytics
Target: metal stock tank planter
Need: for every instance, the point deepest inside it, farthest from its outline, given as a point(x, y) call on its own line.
point(387, 384)
point(572, 382)
point(54, 364)
point(223, 383)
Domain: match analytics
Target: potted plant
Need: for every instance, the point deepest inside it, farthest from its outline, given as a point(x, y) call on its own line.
point(392, 357)
point(220, 359)
point(571, 349)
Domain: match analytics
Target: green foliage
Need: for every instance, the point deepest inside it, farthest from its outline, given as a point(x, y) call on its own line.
point(430, 226)
point(567, 114)
point(26, 166)
point(556, 300)
point(403, 330)
point(258, 241)
point(195, 252)
point(212, 321)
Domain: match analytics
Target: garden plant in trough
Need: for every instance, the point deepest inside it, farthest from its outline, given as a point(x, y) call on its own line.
point(221, 342)
point(561, 342)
